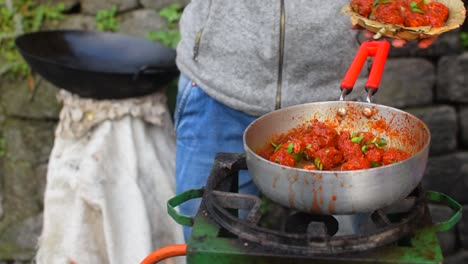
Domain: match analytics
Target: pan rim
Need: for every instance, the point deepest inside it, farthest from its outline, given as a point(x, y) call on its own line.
point(413, 156)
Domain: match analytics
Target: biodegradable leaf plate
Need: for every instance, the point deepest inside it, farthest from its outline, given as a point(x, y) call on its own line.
point(456, 18)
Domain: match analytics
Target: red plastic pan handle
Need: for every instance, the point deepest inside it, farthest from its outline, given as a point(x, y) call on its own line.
point(377, 49)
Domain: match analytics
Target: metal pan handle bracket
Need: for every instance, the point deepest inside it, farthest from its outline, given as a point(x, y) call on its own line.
point(437, 197)
point(180, 199)
point(377, 49)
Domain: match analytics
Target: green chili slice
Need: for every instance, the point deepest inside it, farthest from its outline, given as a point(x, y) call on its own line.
point(290, 148)
point(358, 139)
point(318, 164)
point(276, 147)
point(414, 8)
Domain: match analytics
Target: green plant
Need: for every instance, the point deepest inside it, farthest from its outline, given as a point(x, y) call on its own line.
point(172, 14)
point(171, 36)
point(464, 40)
point(2, 147)
point(18, 17)
point(106, 20)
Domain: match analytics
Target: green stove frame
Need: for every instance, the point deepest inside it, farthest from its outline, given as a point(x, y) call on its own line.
point(209, 242)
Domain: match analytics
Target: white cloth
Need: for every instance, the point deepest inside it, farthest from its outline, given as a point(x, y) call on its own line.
point(80, 115)
point(108, 183)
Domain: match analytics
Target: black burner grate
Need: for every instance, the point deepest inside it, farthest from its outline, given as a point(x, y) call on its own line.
point(303, 234)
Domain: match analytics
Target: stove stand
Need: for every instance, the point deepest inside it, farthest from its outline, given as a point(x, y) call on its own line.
point(399, 234)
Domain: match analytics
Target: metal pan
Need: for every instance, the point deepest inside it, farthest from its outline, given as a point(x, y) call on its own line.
point(342, 192)
point(99, 65)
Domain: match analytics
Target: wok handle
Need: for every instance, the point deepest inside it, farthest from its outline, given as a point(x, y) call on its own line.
point(377, 49)
point(150, 69)
point(437, 197)
point(180, 199)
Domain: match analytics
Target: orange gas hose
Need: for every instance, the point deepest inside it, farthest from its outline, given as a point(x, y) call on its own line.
point(166, 252)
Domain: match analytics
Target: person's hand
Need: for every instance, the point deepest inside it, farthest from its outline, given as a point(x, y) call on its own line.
point(398, 43)
point(422, 43)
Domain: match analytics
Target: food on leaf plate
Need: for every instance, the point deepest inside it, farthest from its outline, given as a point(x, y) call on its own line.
point(320, 147)
point(406, 19)
point(408, 13)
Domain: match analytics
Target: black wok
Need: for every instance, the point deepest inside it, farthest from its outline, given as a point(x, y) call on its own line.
point(99, 65)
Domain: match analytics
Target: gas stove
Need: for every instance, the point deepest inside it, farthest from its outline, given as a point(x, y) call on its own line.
point(230, 227)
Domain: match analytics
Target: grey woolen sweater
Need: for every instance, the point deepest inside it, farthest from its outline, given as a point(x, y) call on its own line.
point(231, 49)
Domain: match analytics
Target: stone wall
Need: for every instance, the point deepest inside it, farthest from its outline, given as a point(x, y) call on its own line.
point(428, 83)
point(431, 84)
point(28, 119)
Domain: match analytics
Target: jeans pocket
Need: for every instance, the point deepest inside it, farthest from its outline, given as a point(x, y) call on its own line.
point(184, 88)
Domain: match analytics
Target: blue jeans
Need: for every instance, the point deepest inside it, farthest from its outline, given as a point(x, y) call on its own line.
point(204, 127)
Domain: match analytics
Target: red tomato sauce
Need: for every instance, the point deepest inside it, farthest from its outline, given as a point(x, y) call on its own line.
point(318, 146)
point(362, 7)
point(437, 14)
point(389, 12)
